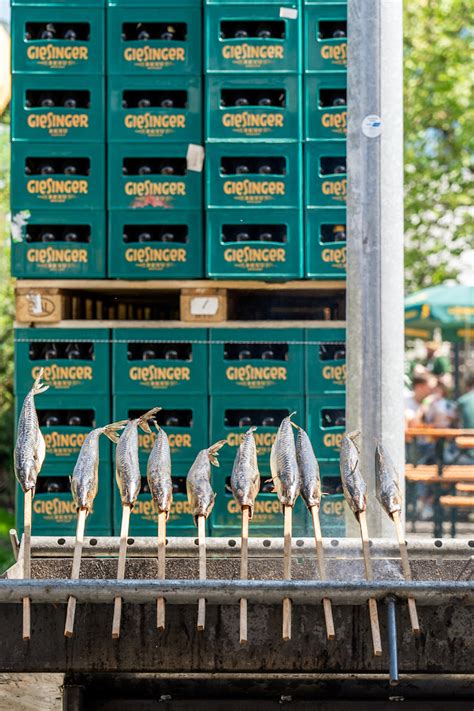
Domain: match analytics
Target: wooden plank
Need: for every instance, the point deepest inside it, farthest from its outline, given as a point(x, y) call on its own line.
point(244, 571)
point(39, 305)
point(201, 621)
point(373, 612)
point(115, 323)
point(287, 534)
point(27, 562)
point(160, 605)
point(76, 567)
point(117, 285)
point(126, 510)
point(198, 305)
point(412, 611)
point(318, 538)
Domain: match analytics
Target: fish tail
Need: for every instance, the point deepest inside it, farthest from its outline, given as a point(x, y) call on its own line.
point(38, 386)
point(251, 429)
point(143, 419)
point(353, 436)
point(291, 415)
point(297, 427)
point(213, 450)
point(110, 431)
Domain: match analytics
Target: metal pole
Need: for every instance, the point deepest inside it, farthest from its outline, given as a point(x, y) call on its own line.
point(392, 640)
point(375, 237)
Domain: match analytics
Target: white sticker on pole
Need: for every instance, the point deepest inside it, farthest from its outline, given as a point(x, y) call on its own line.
point(291, 13)
point(372, 126)
point(195, 157)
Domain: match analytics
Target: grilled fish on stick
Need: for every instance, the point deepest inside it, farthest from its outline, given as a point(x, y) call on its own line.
point(310, 481)
point(353, 485)
point(245, 478)
point(158, 472)
point(283, 464)
point(198, 482)
point(30, 447)
point(84, 480)
point(127, 469)
point(386, 481)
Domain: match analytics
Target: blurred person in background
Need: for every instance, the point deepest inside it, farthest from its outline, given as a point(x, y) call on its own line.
point(417, 400)
point(465, 415)
point(441, 411)
point(435, 360)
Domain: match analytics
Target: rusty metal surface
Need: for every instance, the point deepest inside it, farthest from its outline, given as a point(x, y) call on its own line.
point(443, 647)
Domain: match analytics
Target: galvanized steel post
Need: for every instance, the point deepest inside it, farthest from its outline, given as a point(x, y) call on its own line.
point(375, 238)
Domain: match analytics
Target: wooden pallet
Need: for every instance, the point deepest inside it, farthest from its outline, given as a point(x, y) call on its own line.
point(203, 302)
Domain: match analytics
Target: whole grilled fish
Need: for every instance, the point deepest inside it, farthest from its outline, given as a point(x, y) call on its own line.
point(158, 472)
point(283, 464)
point(310, 481)
point(353, 485)
point(386, 481)
point(245, 478)
point(127, 468)
point(30, 447)
point(85, 479)
point(198, 482)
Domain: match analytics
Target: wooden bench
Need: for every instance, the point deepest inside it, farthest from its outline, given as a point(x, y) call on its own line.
point(465, 488)
point(452, 501)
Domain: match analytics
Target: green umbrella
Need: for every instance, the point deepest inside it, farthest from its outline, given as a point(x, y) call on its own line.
point(450, 308)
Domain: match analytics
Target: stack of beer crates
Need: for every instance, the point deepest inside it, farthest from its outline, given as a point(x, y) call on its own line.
point(165, 368)
point(75, 365)
point(155, 155)
point(325, 127)
point(58, 131)
point(253, 139)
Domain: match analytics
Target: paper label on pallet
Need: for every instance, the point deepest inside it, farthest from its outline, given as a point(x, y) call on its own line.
point(204, 305)
point(195, 157)
point(290, 13)
point(36, 305)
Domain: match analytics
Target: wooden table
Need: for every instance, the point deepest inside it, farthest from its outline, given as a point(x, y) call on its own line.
point(439, 436)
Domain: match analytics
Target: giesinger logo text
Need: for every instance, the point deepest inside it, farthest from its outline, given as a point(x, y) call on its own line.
point(332, 440)
point(336, 189)
point(335, 256)
point(249, 255)
point(247, 120)
point(148, 508)
point(262, 439)
point(159, 56)
point(148, 187)
point(64, 443)
point(149, 122)
point(336, 373)
point(61, 510)
point(337, 53)
point(176, 440)
point(155, 257)
point(155, 375)
point(58, 123)
point(57, 189)
point(336, 121)
point(250, 374)
point(52, 53)
point(270, 506)
point(50, 255)
point(53, 374)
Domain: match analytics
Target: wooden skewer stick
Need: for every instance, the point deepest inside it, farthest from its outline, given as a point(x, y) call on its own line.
point(318, 538)
point(373, 612)
point(76, 566)
point(287, 526)
point(201, 621)
point(27, 563)
point(126, 509)
point(244, 571)
point(412, 611)
point(160, 605)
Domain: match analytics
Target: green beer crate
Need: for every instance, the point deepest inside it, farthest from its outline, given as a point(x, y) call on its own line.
point(54, 512)
point(278, 50)
point(179, 52)
point(267, 519)
point(325, 173)
point(144, 518)
point(156, 360)
point(325, 105)
point(235, 110)
point(158, 188)
point(151, 245)
point(75, 361)
point(127, 121)
point(232, 415)
point(325, 236)
point(332, 516)
point(267, 361)
point(156, 4)
point(40, 180)
point(325, 31)
point(253, 175)
point(63, 440)
point(326, 423)
point(325, 356)
point(238, 244)
point(56, 120)
point(53, 243)
point(187, 415)
point(35, 48)
point(61, 3)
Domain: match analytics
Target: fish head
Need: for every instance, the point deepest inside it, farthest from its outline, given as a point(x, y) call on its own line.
point(29, 474)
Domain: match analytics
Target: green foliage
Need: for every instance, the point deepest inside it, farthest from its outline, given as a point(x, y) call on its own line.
point(6, 323)
point(7, 521)
point(438, 139)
